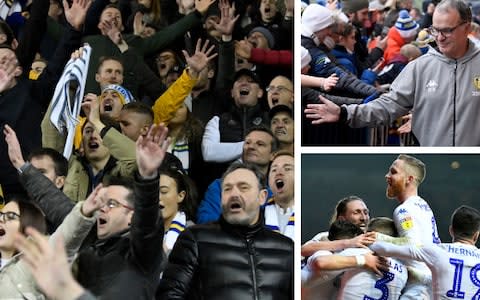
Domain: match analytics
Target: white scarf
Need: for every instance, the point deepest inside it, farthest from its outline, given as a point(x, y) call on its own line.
point(178, 225)
point(65, 111)
point(271, 219)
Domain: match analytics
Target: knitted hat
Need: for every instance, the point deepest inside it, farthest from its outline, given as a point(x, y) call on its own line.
point(266, 33)
point(306, 58)
point(351, 6)
point(315, 18)
point(406, 26)
point(125, 95)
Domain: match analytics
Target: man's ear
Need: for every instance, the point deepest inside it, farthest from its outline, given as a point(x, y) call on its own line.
point(3, 38)
point(59, 181)
point(18, 71)
point(211, 74)
point(260, 93)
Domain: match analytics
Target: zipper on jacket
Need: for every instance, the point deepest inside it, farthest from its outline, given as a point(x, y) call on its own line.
point(454, 100)
point(244, 120)
point(251, 251)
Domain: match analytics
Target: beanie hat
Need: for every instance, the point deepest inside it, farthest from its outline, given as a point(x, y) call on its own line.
point(125, 95)
point(315, 18)
point(306, 58)
point(406, 26)
point(351, 6)
point(266, 33)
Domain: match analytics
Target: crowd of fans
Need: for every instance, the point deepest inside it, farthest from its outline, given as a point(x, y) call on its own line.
point(354, 51)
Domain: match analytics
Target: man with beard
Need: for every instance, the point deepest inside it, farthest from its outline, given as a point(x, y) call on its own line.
point(283, 127)
point(352, 209)
point(413, 219)
point(228, 259)
point(259, 145)
point(280, 209)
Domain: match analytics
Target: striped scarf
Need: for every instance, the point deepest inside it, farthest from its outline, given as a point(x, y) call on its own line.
point(65, 111)
point(178, 225)
point(272, 219)
point(9, 7)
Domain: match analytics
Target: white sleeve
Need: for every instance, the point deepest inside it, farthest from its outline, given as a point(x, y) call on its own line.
point(425, 253)
point(215, 151)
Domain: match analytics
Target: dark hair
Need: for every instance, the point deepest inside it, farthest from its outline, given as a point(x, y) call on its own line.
point(263, 128)
point(341, 207)
point(192, 129)
point(460, 6)
point(184, 183)
point(126, 183)
point(383, 225)
point(139, 108)
point(30, 214)
point(465, 222)
point(59, 161)
point(251, 167)
point(5, 29)
point(103, 59)
point(342, 230)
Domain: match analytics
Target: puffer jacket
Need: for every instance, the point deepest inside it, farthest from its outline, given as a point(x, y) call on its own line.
point(224, 261)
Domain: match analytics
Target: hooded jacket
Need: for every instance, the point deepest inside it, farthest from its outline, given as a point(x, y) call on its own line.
point(443, 93)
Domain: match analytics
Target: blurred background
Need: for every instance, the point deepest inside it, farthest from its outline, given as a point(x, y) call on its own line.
point(451, 180)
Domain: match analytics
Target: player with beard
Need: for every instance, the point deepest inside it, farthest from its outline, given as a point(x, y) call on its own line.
point(280, 209)
point(352, 209)
point(413, 219)
point(228, 259)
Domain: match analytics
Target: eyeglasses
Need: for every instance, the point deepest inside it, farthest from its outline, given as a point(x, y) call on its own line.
point(446, 32)
point(280, 89)
point(9, 216)
point(112, 203)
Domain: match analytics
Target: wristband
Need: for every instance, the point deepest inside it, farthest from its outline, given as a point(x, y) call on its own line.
point(360, 260)
point(23, 167)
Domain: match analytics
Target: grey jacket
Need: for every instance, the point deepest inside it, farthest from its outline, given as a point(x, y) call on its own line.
point(443, 93)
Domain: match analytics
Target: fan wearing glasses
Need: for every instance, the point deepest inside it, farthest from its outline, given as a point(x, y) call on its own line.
point(442, 88)
point(15, 280)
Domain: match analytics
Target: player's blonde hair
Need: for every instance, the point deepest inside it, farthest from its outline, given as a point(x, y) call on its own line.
point(414, 167)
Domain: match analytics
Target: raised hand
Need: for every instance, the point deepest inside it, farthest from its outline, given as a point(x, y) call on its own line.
point(138, 25)
point(151, 150)
point(243, 49)
point(327, 112)
point(48, 264)
point(9, 69)
point(202, 5)
point(199, 60)
point(227, 19)
point(91, 108)
point(75, 14)
point(14, 149)
point(94, 201)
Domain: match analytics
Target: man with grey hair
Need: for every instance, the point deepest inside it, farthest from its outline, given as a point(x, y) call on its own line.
point(442, 88)
point(226, 259)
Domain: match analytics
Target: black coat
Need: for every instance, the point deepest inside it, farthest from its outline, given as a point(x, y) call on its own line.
point(224, 261)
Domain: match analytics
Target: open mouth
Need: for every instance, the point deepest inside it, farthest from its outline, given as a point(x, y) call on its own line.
point(234, 205)
point(275, 101)
point(280, 131)
point(107, 107)
point(267, 10)
point(279, 183)
point(93, 145)
point(244, 91)
point(102, 221)
point(2, 232)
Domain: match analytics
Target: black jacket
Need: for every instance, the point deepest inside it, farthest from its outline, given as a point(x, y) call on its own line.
point(224, 261)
